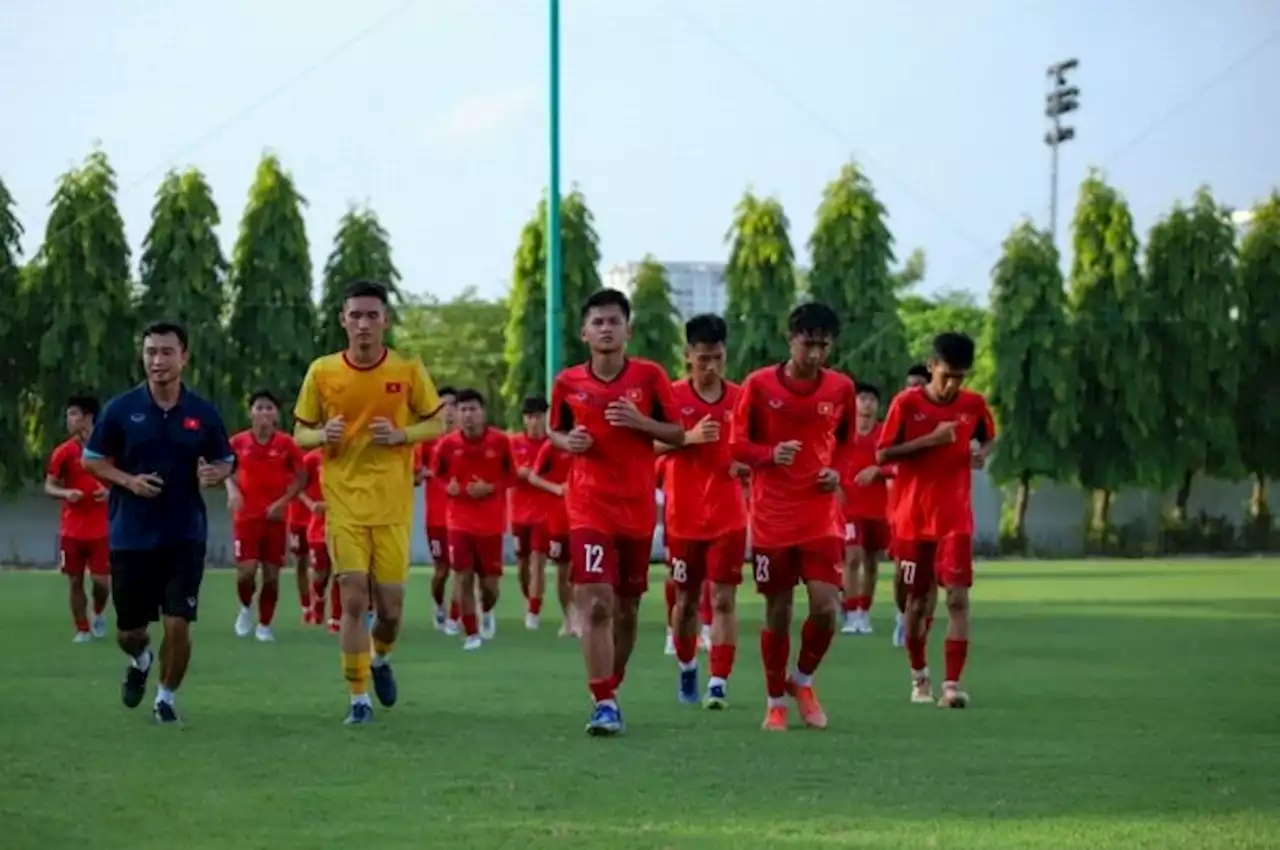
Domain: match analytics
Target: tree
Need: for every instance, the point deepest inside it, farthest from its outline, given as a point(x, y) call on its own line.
point(912, 271)
point(1258, 401)
point(272, 325)
point(81, 300)
point(183, 274)
point(15, 348)
point(1190, 278)
point(761, 284)
point(1032, 389)
point(852, 252)
point(525, 350)
point(923, 318)
point(461, 342)
point(655, 333)
point(361, 251)
point(1115, 375)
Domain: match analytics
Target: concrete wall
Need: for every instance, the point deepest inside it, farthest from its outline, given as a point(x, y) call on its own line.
point(29, 522)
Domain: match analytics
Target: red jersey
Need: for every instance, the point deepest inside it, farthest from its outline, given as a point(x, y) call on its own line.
point(529, 505)
point(436, 497)
point(662, 483)
point(312, 461)
point(552, 465)
point(611, 485)
point(704, 501)
point(87, 518)
point(933, 488)
point(264, 471)
point(863, 501)
point(486, 458)
point(787, 506)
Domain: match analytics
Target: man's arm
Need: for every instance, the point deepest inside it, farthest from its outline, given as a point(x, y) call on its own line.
point(53, 479)
point(741, 445)
point(425, 407)
point(891, 446)
point(308, 413)
point(664, 423)
point(560, 423)
point(105, 444)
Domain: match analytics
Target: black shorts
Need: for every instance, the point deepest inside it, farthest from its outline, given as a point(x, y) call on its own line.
point(146, 583)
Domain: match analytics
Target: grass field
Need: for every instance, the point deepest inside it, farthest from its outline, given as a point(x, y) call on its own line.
point(1116, 704)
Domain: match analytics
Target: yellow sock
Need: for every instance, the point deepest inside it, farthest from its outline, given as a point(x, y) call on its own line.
point(355, 669)
point(383, 647)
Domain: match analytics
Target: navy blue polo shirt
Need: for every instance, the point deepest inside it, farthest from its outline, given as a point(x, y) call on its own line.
point(139, 436)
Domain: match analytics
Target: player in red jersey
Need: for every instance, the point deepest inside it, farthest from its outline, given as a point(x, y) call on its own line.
point(529, 508)
point(312, 500)
point(436, 510)
point(917, 376)
point(269, 474)
point(866, 529)
point(792, 425)
point(476, 464)
point(937, 434)
point(82, 529)
point(549, 474)
point(297, 518)
point(661, 464)
point(607, 412)
point(706, 514)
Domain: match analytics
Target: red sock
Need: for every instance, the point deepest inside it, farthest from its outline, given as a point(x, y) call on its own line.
point(815, 640)
point(669, 589)
point(686, 648)
point(956, 653)
point(615, 681)
point(722, 655)
point(850, 603)
point(469, 625)
point(602, 689)
point(916, 647)
point(775, 649)
point(535, 605)
point(244, 589)
point(866, 603)
point(267, 602)
point(455, 610)
point(82, 625)
point(705, 611)
point(99, 605)
point(335, 602)
point(437, 593)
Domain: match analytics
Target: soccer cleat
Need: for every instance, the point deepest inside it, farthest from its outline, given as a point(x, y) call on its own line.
point(82, 637)
point(864, 623)
point(704, 639)
point(717, 698)
point(670, 648)
point(164, 713)
point(335, 626)
point(531, 622)
point(439, 618)
point(952, 696)
point(899, 631)
point(488, 625)
point(472, 643)
point(606, 719)
point(263, 634)
point(850, 624)
point(775, 719)
point(688, 691)
point(360, 714)
point(384, 684)
point(807, 701)
point(244, 622)
point(98, 626)
point(134, 686)
point(922, 690)
point(451, 628)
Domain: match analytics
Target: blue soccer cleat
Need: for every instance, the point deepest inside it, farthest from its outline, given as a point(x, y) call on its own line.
point(384, 684)
point(360, 714)
point(605, 720)
point(717, 698)
point(134, 686)
point(164, 713)
point(688, 690)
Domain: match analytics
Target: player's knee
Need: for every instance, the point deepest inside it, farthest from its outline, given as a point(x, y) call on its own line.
point(723, 600)
point(957, 600)
point(132, 641)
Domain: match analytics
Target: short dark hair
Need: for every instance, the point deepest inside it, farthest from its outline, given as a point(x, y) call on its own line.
point(468, 394)
point(813, 319)
point(367, 289)
point(164, 328)
point(869, 389)
point(607, 298)
point(448, 389)
point(534, 405)
point(954, 349)
point(918, 370)
point(258, 395)
point(705, 329)
point(86, 404)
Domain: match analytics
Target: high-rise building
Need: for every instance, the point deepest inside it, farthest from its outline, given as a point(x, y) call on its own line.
point(695, 287)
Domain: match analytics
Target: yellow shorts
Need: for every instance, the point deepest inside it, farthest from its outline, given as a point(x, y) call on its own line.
point(379, 550)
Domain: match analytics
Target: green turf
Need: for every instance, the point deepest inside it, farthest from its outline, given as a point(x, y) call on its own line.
point(1125, 704)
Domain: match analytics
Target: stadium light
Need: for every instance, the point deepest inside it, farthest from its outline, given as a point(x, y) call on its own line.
point(555, 293)
point(1060, 100)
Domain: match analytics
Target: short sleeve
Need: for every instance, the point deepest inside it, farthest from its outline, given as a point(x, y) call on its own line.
point(107, 438)
point(58, 463)
point(561, 412)
point(424, 401)
point(308, 410)
point(846, 427)
point(297, 460)
point(216, 445)
point(741, 436)
point(542, 463)
point(439, 465)
point(891, 433)
point(664, 398)
point(985, 432)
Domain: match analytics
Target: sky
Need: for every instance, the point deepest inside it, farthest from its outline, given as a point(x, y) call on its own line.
point(433, 112)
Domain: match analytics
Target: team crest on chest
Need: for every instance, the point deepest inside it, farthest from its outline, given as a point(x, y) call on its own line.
point(775, 403)
point(826, 408)
point(635, 395)
point(394, 387)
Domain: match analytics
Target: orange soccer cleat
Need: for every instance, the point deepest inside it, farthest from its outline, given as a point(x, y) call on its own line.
point(807, 701)
point(775, 719)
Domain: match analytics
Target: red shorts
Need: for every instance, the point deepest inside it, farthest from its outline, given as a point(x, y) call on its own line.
point(558, 547)
point(924, 564)
point(718, 559)
point(297, 541)
point(531, 538)
point(779, 569)
point(76, 556)
point(319, 556)
point(479, 553)
point(438, 543)
point(622, 561)
point(259, 541)
point(870, 535)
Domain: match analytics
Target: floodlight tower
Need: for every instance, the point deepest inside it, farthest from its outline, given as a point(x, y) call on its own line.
point(1060, 100)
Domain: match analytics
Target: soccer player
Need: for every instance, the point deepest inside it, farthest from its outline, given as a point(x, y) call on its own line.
point(366, 406)
point(866, 530)
point(917, 376)
point(706, 514)
point(791, 425)
point(607, 412)
point(669, 587)
point(477, 465)
point(437, 502)
point(549, 474)
point(82, 532)
point(269, 475)
point(529, 508)
point(157, 445)
point(312, 499)
point(297, 518)
point(936, 434)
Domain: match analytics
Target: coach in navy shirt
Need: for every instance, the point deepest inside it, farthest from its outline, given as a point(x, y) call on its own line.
point(158, 444)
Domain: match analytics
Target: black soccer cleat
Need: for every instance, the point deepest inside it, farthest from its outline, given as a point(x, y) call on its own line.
point(384, 684)
point(164, 713)
point(134, 686)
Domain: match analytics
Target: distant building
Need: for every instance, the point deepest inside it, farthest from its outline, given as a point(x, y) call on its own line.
point(695, 287)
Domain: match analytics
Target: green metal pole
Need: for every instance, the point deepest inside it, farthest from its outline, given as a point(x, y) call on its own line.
point(555, 293)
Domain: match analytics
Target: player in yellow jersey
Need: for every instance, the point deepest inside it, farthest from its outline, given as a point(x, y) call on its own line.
point(367, 406)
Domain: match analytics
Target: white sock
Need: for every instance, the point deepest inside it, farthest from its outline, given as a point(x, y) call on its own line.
point(143, 660)
point(380, 660)
point(922, 673)
point(164, 694)
point(360, 699)
point(804, 680)
point(609, 702)
point(687, 665)
point(777, 702)
point(716, 681)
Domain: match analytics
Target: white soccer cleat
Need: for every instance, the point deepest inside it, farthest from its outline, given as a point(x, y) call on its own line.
point(670, 648)
point(704, 638)
point(952, 696)
point(488, 625)
point(82, 637)
point(531, 622)
point(472, 643)
point(899, 631)
point(244, 622)
point(263, 634)
point(98, 626)
point(849, 625)
point(863, 623)
point(451, 628)
point(922, 690)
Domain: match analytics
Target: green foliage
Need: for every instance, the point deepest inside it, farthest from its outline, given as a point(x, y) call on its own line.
point(852, 252)
point(182, 273)
point(1257, 411)
point(912, 271)
point(655, 334)
point(361, 251)
point(272, 326)
point(924, 317)
point(761, 284)
point(15, 349)
point(81, 299)
point(461, 341)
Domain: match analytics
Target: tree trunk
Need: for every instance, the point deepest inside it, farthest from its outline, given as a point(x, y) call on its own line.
point(1258, 507)
point(1101, 515)
point(1021, 499)
point(1182, 498)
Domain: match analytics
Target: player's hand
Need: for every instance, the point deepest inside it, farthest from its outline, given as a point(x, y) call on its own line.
point(978, 459)
point(945, 433)
point(453, 488)
point(275, 510)
point(623, 413)
point(101, 494)
point(706, 431)
point(208, 474)
point(335, 429)
point(235, 502)
point(523, 473)
point(478, 489)
point(828, 480)
point(147, 485)
point(578, 441)
point(385, 433)
point(73, 496)
point(866, 476)
point(739, 470)
point(784, 454)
